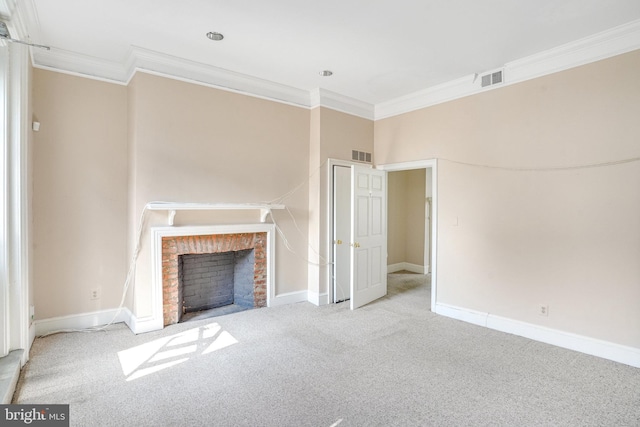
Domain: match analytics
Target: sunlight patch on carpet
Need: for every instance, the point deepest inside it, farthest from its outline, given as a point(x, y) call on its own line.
point(165, 352)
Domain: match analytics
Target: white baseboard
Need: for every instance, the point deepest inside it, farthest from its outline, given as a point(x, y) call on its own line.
point(79, 321)
point(318, 299)
point(414, 268)
point(595, 347)
point(288, 298)
point(464, 314)
point(141, 325)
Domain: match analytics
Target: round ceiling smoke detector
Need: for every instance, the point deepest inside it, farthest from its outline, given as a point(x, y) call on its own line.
point(214, 36)
point(326, 73)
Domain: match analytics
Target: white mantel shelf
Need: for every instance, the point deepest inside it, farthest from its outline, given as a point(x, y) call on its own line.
point(264, 208)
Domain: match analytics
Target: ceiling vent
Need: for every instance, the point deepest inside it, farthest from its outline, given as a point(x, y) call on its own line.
point(360, 156)
point(493, 78)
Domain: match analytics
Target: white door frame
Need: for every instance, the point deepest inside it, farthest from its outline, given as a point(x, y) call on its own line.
point(433, 165)
point(341, 230)
point(331, 256)
point(4, 203)
point(15, 330)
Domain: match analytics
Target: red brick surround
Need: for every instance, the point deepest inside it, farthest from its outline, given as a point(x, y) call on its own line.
point(174, 246)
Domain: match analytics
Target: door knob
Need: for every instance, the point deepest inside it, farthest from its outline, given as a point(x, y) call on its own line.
point(355, 245)
point(338, 242)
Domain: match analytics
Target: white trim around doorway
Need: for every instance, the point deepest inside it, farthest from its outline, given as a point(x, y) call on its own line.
point(433, 165)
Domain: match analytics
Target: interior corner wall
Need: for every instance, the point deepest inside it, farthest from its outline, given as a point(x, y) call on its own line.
point(317, 265)
point(416, 220)
point(193, 143)
point(333, 136)
point(79, 194)
point(133, 217)
point(406, 217)
point(514, 236)
point(105, 150)
point(396, 218)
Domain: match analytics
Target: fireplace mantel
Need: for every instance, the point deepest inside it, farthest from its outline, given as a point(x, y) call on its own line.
point(155, 320)
point(173, 207)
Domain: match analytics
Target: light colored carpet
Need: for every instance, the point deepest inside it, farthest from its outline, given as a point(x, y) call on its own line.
point(391, 363)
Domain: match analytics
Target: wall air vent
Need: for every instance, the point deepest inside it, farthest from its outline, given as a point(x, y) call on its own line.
point(492, 78)
point(360, 156)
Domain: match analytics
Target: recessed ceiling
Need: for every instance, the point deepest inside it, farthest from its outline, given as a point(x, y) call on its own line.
point(378, 50)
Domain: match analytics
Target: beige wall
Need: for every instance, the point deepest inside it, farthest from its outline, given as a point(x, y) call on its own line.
point(511, 240)
point(333, 136)
point(396, 224)
point(406, 217)
point(105, 150)
point(196, 144)
point(79, 193)
point(415, 214)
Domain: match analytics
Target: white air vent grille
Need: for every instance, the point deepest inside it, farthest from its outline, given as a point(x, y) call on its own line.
point(360, 156)
point(491, 79)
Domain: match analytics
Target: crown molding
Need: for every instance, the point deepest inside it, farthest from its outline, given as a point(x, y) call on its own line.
point(325, 98)
point(144, 60)
point(80, 65)
point(427, 97)
point(29, 23)
point(616, 41)
point(147, 60)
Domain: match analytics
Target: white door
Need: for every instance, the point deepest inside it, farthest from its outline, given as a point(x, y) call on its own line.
point(368, 235)
point(341, 232)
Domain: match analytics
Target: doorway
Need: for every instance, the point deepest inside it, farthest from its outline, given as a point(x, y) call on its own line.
point(339, 185)
point(409, 221)
point(341, 233)
point(430, 230)
point(359, 232)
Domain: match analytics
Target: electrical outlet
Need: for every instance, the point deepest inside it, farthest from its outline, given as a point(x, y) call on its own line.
point(95, 293)
point(543, 310)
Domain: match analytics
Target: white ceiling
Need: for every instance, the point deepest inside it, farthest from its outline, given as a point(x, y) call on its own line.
point(378, 49)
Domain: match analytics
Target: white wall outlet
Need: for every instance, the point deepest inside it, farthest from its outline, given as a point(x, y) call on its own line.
point(95, 293)
point(543, 310)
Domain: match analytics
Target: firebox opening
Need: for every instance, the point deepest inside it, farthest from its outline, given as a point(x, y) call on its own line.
point(215, 284)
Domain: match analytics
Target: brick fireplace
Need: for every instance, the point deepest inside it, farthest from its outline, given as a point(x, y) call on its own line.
point(174, 246)
point(168, 244)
